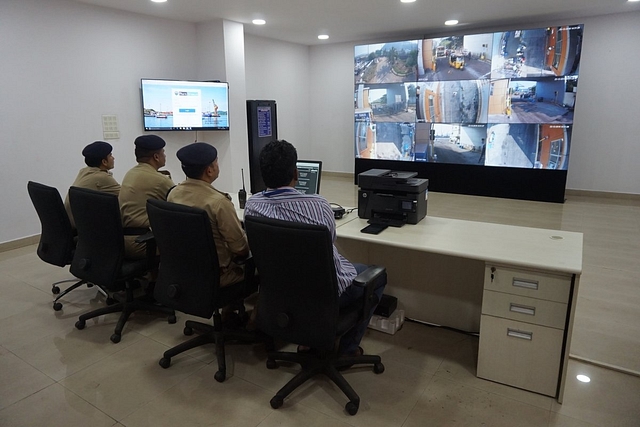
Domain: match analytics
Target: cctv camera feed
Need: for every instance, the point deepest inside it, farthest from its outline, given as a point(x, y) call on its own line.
point(498, 99)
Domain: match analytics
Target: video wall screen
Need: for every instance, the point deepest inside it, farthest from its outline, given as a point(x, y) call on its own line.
point(499, 99)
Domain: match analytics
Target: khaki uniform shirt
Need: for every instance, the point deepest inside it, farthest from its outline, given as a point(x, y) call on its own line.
point(93, 178)
point(229, 237)
point(141, 183)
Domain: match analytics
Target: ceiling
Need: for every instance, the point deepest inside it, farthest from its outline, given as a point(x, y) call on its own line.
point(300, 21)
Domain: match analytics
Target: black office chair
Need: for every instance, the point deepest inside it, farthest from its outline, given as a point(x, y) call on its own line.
point(99, 256)
point(298, 301)
point(57, 242)
point(189, 278)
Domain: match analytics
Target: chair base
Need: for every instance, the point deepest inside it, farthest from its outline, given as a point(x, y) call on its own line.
point(209, 334)
point(126, 307)
point(55, 289)
point(327, 364)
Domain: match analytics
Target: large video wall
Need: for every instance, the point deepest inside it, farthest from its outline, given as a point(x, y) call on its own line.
point(495, 100)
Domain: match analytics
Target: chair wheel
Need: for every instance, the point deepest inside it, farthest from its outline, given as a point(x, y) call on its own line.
point(55, 290)
point(110, 301)
point(378, 368)
point(165, 362)
point(57, 306)
point(271, 364)
point(115, 338)
point(172, 319)
point(80, 324)
point(351, 408)
point(276, 402)
point(220, 376)
point(187, 331)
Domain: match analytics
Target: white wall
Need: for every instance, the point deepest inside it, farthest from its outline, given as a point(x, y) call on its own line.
point(605, 155)
point(280, 71)
point(331, 106)
point(65, 64)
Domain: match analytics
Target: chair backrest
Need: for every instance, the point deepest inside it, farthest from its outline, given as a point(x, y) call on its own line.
point(100, 249)
point(298, 299)
point(189, 275)
point(56, 239)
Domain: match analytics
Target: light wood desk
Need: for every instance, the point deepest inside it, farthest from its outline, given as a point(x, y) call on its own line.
point(517, 286)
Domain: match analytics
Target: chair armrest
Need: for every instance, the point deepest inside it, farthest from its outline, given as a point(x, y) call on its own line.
point(251, 279)
point(149, 241)
point(370, 279)
point(242, 259)
point(148, 236)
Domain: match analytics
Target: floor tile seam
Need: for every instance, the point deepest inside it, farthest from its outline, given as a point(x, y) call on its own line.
point(605, 365)
point(102, 359)
point(495, 393)
point(588, 424)
point(87, 402)
point(404, 421)
point(149, 401)
point(52, 381)
point(30, 365)
point(24, 282)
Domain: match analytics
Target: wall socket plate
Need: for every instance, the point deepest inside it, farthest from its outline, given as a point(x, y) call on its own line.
point(110, 127)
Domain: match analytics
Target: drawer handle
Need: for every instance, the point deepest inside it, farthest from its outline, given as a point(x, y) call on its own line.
point(528, 284)
point(519, 334)
point(522, 309)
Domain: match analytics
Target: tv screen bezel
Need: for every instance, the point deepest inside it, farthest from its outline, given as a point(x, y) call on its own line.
point(213, 83)
point(539, 179)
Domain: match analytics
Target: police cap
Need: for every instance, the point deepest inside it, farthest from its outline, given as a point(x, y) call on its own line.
point(197, 154)
point(97, 150)
point(149, 142)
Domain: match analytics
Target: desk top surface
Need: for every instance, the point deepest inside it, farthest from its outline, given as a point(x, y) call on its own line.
point(537, 248)
point(551, 250)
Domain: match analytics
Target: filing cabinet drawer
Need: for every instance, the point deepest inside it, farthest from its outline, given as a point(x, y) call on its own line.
point(527, 283)
point(520, 354)
point(525, 309)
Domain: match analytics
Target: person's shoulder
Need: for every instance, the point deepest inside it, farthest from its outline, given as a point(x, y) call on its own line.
point(315, 198)
point(256, 197)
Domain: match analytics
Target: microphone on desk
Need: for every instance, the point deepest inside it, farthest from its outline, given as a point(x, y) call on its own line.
point(242, 194)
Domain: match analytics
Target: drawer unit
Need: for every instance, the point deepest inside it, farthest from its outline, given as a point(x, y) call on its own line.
point(525, 309)
point(532, 284)
point(520, 354)
point(522, 327)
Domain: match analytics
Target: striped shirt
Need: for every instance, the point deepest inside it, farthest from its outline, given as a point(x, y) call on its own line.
point(288, 204)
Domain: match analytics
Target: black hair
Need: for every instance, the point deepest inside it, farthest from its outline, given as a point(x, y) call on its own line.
point(143, 153)
point(94, 162)
point(278, 163)
point(194, 171)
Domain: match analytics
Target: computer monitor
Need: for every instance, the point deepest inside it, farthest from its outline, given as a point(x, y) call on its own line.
point(309, 172)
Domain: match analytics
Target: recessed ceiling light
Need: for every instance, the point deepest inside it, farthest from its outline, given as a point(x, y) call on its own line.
point(584, 378)
point(323, 36)
point(451, 22)
point(259, 22)
point(407, 1)
point(634, 0)
point(158, 1)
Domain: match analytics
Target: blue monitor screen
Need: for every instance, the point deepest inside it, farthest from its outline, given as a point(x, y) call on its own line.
point(183, 105)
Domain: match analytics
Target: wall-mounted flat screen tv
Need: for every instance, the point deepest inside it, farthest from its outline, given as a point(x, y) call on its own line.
point(498, 99)
point(184, 105)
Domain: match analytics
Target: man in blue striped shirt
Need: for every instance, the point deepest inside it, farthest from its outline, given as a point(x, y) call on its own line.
point(282, 201)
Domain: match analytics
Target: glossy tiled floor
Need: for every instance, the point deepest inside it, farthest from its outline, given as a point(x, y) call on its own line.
point(53, 374)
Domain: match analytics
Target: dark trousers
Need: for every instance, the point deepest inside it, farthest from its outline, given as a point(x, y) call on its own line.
point(351, 340)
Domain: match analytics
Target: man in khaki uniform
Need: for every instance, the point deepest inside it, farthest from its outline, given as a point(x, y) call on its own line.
point(141, 183)
point(200, 164)
point(96, 175)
